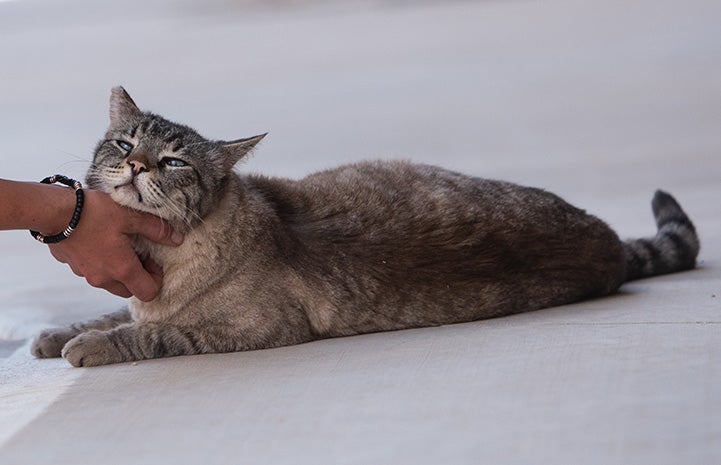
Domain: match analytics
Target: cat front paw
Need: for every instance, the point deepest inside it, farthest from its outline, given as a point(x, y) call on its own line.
point(92, 348)
point(50, 342)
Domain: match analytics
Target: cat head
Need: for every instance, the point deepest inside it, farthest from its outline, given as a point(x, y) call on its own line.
point(148, 163)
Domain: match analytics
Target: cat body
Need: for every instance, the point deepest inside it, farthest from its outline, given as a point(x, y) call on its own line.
point(367, 247)
point(337, 266)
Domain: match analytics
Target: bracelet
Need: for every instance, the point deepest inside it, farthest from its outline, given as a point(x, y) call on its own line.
point(79, 199)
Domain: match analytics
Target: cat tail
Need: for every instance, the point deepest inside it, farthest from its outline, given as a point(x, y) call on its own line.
point(674, 248)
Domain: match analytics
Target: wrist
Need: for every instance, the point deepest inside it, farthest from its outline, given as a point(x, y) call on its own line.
point(63, 204)
point(32, 205)
point(77, 210)
point(57, 208)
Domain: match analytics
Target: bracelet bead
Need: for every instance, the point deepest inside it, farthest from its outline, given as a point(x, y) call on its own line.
point(79, 201)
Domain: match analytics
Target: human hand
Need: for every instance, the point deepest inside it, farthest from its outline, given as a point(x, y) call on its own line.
point(100, 248)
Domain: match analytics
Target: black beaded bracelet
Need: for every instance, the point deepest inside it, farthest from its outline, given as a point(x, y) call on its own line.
point(79, 199)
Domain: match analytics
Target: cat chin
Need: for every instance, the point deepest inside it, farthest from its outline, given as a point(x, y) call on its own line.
point(128, 197)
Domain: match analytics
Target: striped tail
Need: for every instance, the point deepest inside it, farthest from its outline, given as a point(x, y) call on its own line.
point(674, 248)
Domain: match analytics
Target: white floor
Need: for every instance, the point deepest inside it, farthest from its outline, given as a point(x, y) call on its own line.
point(601, 102)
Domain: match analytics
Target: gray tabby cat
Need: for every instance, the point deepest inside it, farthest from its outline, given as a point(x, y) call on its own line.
point(366, 247)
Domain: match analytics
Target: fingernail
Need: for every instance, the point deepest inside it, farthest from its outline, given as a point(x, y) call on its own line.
point(177, 238)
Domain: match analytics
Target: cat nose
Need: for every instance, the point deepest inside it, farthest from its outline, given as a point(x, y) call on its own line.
point(137, 166)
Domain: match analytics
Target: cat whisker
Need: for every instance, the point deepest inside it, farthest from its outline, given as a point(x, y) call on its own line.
point(106, 165)
point(76, 157)
point(163, 200)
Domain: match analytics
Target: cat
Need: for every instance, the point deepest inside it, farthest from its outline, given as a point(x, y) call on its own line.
point(366, 247)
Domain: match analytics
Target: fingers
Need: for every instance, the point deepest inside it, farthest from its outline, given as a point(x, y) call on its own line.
point(118, 289)
point(134, 281)
point(104, 282)
point(143, 285)
point(154, 228)
point(152, 267)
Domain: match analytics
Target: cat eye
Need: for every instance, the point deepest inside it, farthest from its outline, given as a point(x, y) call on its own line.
point(174, 162)
point(124, 145)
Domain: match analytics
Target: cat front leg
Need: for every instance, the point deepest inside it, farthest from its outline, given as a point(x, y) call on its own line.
point(50, 342)
point(129, 342)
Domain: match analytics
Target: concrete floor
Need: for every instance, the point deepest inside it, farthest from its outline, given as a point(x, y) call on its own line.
point(601, 102)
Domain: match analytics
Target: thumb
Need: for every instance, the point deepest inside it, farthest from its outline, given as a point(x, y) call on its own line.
point(154, 228)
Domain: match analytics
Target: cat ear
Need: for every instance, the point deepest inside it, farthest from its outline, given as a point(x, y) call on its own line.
point(122, 108)
point(237, 149)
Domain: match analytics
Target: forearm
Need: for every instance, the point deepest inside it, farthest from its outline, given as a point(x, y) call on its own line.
point(40, 207)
